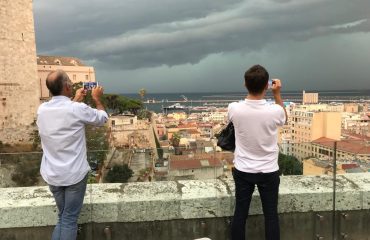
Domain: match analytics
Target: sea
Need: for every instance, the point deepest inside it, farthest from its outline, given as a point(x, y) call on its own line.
point(157, 102)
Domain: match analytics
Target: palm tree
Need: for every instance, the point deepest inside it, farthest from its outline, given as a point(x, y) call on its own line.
point(176, 143)
point(142, 93)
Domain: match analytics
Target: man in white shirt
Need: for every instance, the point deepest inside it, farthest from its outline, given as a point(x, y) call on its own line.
point(256, 153)
point(61, 122)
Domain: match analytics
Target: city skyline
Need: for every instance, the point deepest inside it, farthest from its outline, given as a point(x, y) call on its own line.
point(189, 46)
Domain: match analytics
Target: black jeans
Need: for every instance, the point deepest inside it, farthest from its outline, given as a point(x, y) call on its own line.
point(268, 187)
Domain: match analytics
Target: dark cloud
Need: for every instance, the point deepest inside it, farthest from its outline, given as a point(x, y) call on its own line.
point(141, 37)
point(137, 34)
point(63, 23)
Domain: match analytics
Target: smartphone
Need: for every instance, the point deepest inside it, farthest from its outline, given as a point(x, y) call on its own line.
point(89, 85)
point(270, 83)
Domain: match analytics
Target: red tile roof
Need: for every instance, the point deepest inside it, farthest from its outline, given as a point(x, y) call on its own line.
point(59, 60)
point(355, 136)
point(192, 131)
point(187, 125)
point(182, 162)
point(209, 125)
point(349, 166)
point(351, 146)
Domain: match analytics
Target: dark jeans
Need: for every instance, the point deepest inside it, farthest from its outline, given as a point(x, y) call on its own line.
point(69, 200)
point(268, 187)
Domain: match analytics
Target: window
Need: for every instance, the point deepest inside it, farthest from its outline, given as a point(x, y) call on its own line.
point(74, 77)
point(325, 152)
point(87, 77)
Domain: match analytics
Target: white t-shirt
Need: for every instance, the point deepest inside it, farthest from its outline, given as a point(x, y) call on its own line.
point(256, 130)
point(61, 124)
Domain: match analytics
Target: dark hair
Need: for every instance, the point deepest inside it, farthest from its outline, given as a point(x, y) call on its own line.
point(55, 84)
point(256, 79)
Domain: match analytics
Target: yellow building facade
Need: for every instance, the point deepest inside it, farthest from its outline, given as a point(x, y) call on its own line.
point(75, 69)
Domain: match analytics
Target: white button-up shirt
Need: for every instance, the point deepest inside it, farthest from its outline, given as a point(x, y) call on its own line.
point(61, 124)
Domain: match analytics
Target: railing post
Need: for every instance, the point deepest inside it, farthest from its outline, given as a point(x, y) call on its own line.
point(108, 232)
point(334, 190)
point(318, 221)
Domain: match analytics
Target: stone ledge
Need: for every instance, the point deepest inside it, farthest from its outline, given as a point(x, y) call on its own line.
point(142, 202)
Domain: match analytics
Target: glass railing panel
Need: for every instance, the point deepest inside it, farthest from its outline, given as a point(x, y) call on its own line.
point(353, 161)
point(20, 169)
point(314, 159)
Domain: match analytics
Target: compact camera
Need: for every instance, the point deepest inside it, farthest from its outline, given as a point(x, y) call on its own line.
point(89, 85)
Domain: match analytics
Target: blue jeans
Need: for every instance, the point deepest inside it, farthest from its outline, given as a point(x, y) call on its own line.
point(69, 200)
point(268, 187)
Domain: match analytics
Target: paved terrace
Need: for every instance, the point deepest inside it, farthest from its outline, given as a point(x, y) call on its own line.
point(192, 209)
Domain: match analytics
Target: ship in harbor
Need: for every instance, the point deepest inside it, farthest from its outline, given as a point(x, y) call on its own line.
point(203, 108)
point(176, 106)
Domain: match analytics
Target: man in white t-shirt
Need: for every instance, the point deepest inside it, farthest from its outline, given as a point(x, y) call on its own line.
point(61, 122)
point(256, 153)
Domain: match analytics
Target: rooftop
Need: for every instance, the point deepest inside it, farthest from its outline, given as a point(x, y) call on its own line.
point(59, 60)
point(193, 161)
point(355, 147)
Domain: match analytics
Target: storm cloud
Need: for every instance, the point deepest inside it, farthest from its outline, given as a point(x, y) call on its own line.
point(163, 37)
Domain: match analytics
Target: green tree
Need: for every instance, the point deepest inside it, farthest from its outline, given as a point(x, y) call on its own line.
point(111, 101)
point(144, 114)
point(118, 104)
point(290, 165)
point(175, 141)
point(119, 174)
point(132, 105)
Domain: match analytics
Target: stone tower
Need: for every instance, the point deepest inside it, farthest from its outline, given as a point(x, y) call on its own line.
point(19, 86)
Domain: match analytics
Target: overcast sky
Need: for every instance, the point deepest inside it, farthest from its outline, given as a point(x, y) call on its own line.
point(206, 45)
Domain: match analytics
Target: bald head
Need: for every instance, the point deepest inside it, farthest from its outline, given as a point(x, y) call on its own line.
point(55, 81)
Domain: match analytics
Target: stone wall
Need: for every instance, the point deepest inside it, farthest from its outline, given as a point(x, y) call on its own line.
point(19, 87)
point(188, 199)
point(138, 138)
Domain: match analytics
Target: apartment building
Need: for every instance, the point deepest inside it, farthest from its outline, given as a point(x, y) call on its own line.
point(307, 126)
point(178, 116)
point(217, 116)
point(75, 69)
point(346, 150)
point(310, 98)
point(357, 123)
point(206, 130)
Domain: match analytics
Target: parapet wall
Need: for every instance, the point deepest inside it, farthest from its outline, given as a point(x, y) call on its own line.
point(145, 202)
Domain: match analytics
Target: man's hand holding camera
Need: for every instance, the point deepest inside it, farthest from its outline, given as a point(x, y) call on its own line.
point(276, 89)
point(80, 95)
point(96, 94)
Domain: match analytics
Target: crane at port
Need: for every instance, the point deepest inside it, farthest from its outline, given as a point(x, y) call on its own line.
point(184, 97)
